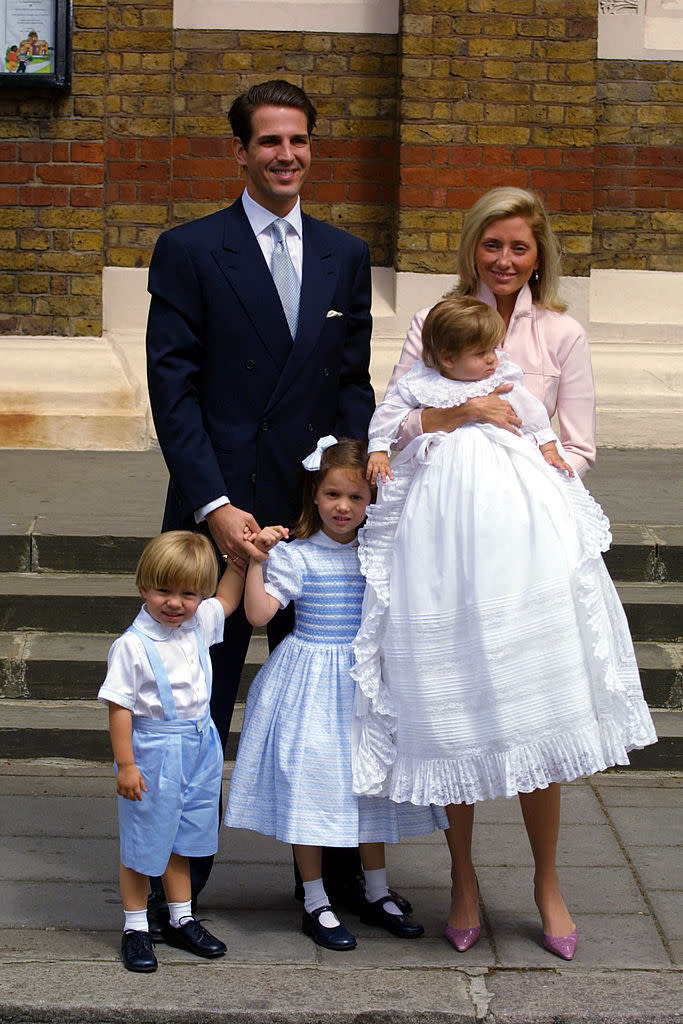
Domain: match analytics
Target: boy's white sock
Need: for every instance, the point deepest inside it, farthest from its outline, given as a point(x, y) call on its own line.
point(135, 921)
point(376, 887)
point(180, 912)
point(316, 897)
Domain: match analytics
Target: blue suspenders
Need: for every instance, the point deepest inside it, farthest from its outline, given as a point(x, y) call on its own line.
point(161, 675)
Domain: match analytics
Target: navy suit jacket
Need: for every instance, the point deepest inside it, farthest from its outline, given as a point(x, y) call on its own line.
point(236, 405)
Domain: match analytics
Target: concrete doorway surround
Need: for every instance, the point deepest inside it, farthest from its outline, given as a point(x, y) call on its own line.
point(91, 394)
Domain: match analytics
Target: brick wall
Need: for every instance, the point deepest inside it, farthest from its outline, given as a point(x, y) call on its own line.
point(412, 128)
point(638, 174)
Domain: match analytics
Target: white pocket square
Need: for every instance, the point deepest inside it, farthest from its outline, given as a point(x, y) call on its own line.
point(333, 312)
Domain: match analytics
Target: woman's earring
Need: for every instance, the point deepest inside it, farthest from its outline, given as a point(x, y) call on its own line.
point(536, 276)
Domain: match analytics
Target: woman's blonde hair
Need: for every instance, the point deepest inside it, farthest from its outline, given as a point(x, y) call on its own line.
point(178, 558)
point(457, 323)
point(345, 454)
point(498, 204)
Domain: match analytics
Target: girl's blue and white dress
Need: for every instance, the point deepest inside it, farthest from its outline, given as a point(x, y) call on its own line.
point(494, 656)
point(292, 776)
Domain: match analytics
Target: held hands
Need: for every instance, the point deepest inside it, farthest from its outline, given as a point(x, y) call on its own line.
point(231, 528)
point(553, 458)
point(129, 782)
point(378, 465)
point(265, 539)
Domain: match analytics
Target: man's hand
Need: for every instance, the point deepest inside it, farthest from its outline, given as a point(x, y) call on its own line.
point(230, 528)
point(553, 458)
point(378, 465)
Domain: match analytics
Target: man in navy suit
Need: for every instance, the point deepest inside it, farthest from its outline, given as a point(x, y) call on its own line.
point(238, 397)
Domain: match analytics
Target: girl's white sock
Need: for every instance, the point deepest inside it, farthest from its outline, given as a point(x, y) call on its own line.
point(316, 897)
point(135, 921)
point(180, 912)
point(376, 888)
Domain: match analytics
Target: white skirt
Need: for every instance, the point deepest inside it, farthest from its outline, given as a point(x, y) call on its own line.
point(494, 656)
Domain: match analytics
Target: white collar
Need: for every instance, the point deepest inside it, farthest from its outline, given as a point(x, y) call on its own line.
point(261, 219)
point(155, 630)
point(323, 541)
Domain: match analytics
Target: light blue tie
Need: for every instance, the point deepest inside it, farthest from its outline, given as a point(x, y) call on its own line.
point(284, 275)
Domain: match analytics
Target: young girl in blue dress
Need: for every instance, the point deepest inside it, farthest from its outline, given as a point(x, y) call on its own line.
point(292, 777)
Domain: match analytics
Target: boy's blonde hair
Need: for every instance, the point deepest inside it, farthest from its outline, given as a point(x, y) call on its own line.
point(458, 323)
point(178, 557)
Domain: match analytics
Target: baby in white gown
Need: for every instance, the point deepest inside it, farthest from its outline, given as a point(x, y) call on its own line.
point(493, 656)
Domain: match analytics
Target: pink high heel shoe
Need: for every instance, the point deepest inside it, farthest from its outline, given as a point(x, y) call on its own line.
point(463, 938)
point(563, 946)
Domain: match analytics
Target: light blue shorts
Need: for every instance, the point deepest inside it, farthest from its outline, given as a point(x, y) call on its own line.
point(181, 762)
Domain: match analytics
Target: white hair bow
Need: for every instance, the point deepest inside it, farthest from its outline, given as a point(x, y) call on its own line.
point(312, 461)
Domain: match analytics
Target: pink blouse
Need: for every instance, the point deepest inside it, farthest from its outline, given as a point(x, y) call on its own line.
point(552, 350)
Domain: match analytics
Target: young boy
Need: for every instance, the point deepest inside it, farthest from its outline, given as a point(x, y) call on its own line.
point(169, 759)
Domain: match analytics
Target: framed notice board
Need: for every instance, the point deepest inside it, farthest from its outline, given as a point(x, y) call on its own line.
point(35, 44)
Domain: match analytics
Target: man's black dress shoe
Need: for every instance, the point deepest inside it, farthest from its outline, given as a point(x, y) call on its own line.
point(337, 938)
point(137, 953)
point(397, 924)
point(194, 937)
point(157, 915)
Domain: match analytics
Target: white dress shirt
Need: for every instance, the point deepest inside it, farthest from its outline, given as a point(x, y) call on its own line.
point(130, 681)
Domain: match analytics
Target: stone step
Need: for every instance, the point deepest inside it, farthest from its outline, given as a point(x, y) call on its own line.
point(71, 666)
point(107, 603)
point(38, 665)
point(638, 552)
point(78, 729)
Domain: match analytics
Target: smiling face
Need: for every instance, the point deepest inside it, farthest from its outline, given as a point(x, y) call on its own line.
point(278, 157)
point(505, 257)
point(342, 497)
point(476, 363)
point(171, 605)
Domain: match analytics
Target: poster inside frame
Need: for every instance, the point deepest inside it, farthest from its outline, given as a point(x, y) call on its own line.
point(35, 44)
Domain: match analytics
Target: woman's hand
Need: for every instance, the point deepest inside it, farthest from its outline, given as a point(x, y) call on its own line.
point(487, 409)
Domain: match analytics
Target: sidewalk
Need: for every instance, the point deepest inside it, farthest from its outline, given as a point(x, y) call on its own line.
point(619, 854)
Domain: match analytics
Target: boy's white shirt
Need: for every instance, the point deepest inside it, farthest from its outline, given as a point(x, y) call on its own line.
point(130, 681)
point(422, 386)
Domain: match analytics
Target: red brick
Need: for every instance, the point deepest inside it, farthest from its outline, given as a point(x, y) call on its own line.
point(155, 149)
point(180, 188)
point(650, 198)
point(60, 152)
point(412, 154)
point(553, 157)
point(496, 156)
point(529, 156)
point(9, 195)
point(439, 198)
point(153, 192)
point(332, 148)
point(87, 152)
point(413, 197)
point(37, 195)
point(561, 179)
point(180, 146)
point(190, 167)
point(209, 147)
point(462, 198)
point(124, 170)
point(649, 156)
point(212, 189)
point(629, 176)
point(578, 158)
point(464, 156)
point(69, 174)
point(8, 151)
point(490, 177)
point(666, 178)
point(19, 173)
point(35, 151)
point(611, 155)
point(332, 192)
point(86, 196)
point(577, 202)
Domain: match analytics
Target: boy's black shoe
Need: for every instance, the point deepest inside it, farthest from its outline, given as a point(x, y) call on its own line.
point(193, 937)
point(157, 915)
point(137, 953)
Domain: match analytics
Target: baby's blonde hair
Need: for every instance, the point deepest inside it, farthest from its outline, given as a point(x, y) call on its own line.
point(178, 558)
point(457, 323)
